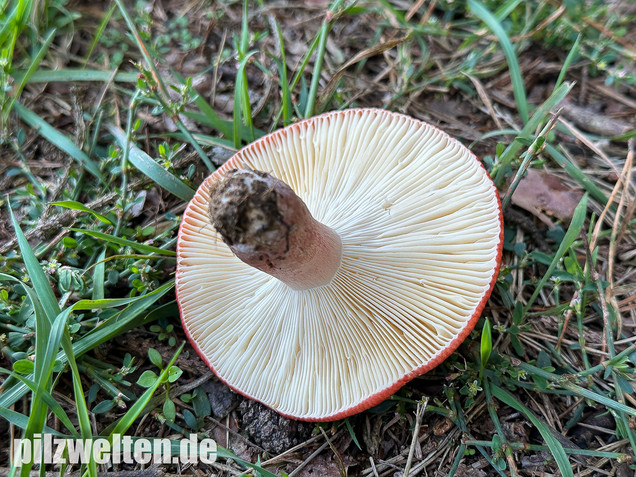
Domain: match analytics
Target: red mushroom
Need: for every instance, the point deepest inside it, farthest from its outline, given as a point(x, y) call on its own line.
point(327, 264)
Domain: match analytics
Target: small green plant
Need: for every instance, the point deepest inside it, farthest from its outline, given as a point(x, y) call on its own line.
point(165, 333)
point(200, 403)
point(148, 378)
point(111, 381)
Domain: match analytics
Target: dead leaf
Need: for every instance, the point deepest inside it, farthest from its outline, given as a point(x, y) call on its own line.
point(542, 193)
point(442, 427)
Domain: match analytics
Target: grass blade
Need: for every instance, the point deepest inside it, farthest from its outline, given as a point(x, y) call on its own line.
point(284, 86)
point(51, 402)
point(98, 34)
point(506, 9)
point(98, 277)
point(121, 322)
point(73, 204)
point(136, 409)
point(35, 62)
point(578, 390)
point(80, 401)
point(577, 174)
point(572, 55)
point(142, 48)
point(486, 344)
point(578, 219)
point(555, 446)
point(127, 319)
point(126, 243)
point(511, 56)
point(20, 420)
point(58, 139)
point(528, 130)
point(228, 454)
point(203, 119)
point(213, 119)
point(73, 75)
point(45, 294)
point(197, 147)
point(315, 79)
point(352, 433)
point(44, 362)
point(104, 303)
point(147, 166)
point(242, 108)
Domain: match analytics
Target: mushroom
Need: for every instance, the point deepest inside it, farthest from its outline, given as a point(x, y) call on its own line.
point(327, 264)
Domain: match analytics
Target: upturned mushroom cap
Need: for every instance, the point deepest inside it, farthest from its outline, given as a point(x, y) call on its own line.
point(421, 230)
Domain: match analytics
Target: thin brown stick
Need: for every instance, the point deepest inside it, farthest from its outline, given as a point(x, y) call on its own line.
point(627, 218)
point(416, 6)
point(421, 408)
point(58, 221)
point(584, 139)
point(339, 461)
point(611, 35)
point(629, 212)
point(568, 316)
point(281, 457)
point(309, 459)
point(617, 187)
point(540, 27)
point(481, 91)
point(429, 12)
point(611, 254)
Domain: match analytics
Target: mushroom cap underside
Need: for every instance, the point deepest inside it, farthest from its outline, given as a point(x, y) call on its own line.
point(421, 229)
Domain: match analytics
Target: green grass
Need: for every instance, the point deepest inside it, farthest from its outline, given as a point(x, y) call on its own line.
point(127, 174)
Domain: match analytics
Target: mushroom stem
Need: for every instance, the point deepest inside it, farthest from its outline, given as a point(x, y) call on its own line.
point(269, 227)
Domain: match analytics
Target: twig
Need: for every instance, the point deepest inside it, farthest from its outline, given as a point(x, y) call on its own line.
point(375, 471)
point(621, 41)
point(481, 91)
point(416, 6)
point(627, 217)
point(226, 468)
point(610, 201)
point(339, 460)
point(282, 456)
point(421, 408)
point(309, 459)
point(362, 55)
point(568, 315)
point(609, 336)
point(611, 254)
